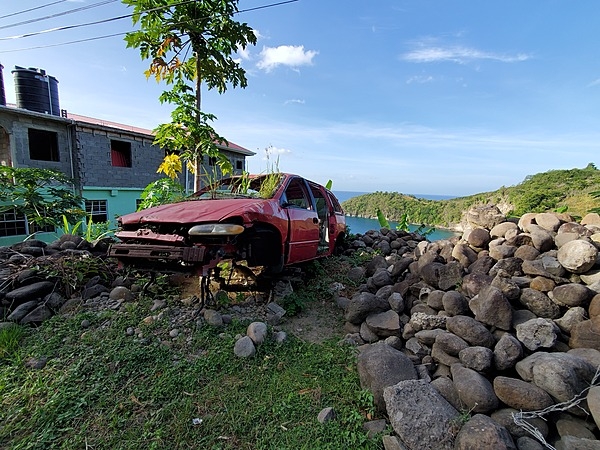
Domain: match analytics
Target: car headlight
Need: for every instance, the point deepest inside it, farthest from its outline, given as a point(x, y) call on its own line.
point(211, 229)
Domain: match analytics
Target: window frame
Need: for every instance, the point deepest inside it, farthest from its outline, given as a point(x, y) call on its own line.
point(39, 140)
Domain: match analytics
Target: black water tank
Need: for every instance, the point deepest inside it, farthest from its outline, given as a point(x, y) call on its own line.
point(36, 91)
point(2, 93)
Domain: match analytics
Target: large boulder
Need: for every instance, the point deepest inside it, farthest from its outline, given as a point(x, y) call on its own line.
point(577, 256)
point(363, 304)
point(491, 307)
point(561, 375)
point(521, 395)
point(474, 390)
point(481, 432)
point(380, 366)
point(470, 330)
point(422, 418)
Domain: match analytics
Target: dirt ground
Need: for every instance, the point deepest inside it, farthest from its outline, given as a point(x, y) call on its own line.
point(320, 321)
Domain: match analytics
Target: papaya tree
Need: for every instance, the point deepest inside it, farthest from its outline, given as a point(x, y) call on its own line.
point(190, 44)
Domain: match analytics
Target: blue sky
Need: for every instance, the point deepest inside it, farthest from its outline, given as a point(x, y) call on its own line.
point(424, 97)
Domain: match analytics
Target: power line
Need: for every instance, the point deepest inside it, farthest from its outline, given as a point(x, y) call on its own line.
point(115, 34)
point(63, 13)
point(32, 9)
point(111, 19)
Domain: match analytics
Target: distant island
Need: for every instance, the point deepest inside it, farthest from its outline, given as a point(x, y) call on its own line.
point(576, 191)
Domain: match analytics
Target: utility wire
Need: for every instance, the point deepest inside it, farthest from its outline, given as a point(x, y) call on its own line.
point(32, 9)
point(116, 34)
point(111, 19)
point(63, 13)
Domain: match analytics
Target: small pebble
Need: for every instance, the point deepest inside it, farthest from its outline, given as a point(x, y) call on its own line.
point(130, 331)
point(85, 323)
point(174, 333)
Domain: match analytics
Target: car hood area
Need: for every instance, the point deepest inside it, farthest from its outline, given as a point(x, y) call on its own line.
point(196, 211)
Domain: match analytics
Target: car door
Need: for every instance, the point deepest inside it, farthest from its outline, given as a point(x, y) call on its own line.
point(303, 236)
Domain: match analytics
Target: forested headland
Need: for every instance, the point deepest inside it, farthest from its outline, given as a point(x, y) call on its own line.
point(576, 191)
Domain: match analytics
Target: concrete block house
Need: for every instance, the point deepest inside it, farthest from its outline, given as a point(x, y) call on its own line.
point(110, 163)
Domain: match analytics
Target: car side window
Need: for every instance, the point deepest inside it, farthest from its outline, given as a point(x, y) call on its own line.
point(336, 205)
point(296, 195)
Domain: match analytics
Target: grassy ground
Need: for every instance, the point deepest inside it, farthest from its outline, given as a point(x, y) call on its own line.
point(103, 389)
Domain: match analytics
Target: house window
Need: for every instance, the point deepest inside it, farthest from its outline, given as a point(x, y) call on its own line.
point(43, 145)
point(12, 224)
point(239, 165)
point(97, 210)
point(120, 153)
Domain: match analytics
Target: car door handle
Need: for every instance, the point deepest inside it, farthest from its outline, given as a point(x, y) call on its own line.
point(315, 220)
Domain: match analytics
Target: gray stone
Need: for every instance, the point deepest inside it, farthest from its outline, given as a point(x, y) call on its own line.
point(441, 357)
point(417, 348)
point(593, 401)
point(548, 221)
point(476, 358)
point(244, 347)
point(450, 343)
point(363, 304)
point(591, 355)
point(539, 303)
point(537, 333)
point(442, 276)
point(561, 375)
point(591, 276)
point(29, 292)
point(420, 416)
point(527, 253)
point(528, 443)
point(501, 229)
point(121, 293)
point(472, 283)
point(280, 337)
point(474, 390)
point(521, 395)
point(257, 331)
point(384, 324)
point(470, 330)
point(572, 294)
point(427, 337)
point(464, 254)
point(54, 301)
point(396, 302)
point(392, 443)
point(367, 334)
point(356, 274)
point(507, 352)
point(37, 316)
point(380, 366)
point(381, 278)
point(446, 388)
point(454, 303)
point(502, 251)
point(571, 426)
point(491, 307)
point(213, 318)
point(572, 317)
point(585, 334)
point(479, 237)
point(326, 415)
point(577, 256)
point(575, 443)
point(481, 432)
point(21, 311)
point(504, 418)
point(541, 238)
point(374, 427)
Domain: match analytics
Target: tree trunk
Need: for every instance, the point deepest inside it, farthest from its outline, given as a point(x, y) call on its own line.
point(198, 160)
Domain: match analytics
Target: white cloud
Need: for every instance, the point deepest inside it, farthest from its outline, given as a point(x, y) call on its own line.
point(594, 83)
point(285, 55)
point(275, 151)
point(459, 54)
point(294, 100)
point(420, 79)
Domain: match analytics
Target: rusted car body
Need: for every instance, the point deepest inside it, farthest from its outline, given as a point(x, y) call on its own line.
point(298, 221)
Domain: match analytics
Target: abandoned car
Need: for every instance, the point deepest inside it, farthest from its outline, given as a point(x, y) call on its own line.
point(271, 220)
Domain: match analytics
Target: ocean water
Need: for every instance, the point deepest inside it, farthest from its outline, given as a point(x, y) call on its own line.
point(362, 225)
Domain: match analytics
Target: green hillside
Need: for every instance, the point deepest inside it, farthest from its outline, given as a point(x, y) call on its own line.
point(575, 190)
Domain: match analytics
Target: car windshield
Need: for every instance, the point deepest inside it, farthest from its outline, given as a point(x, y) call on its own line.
point(261, 186)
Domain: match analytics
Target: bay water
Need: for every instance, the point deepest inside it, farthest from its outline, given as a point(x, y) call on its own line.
point(362, 225)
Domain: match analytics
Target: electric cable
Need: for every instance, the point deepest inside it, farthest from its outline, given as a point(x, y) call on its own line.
point(32, 9)
point(63, 13)
point(124, 32)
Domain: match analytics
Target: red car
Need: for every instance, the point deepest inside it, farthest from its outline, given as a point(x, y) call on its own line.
point(271, 220)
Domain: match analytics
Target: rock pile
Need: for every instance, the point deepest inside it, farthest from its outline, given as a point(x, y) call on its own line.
point(27, 296)
point(460, 339)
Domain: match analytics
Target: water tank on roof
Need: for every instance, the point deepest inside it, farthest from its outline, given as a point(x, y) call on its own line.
point(2, 93)
point(36, 91)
